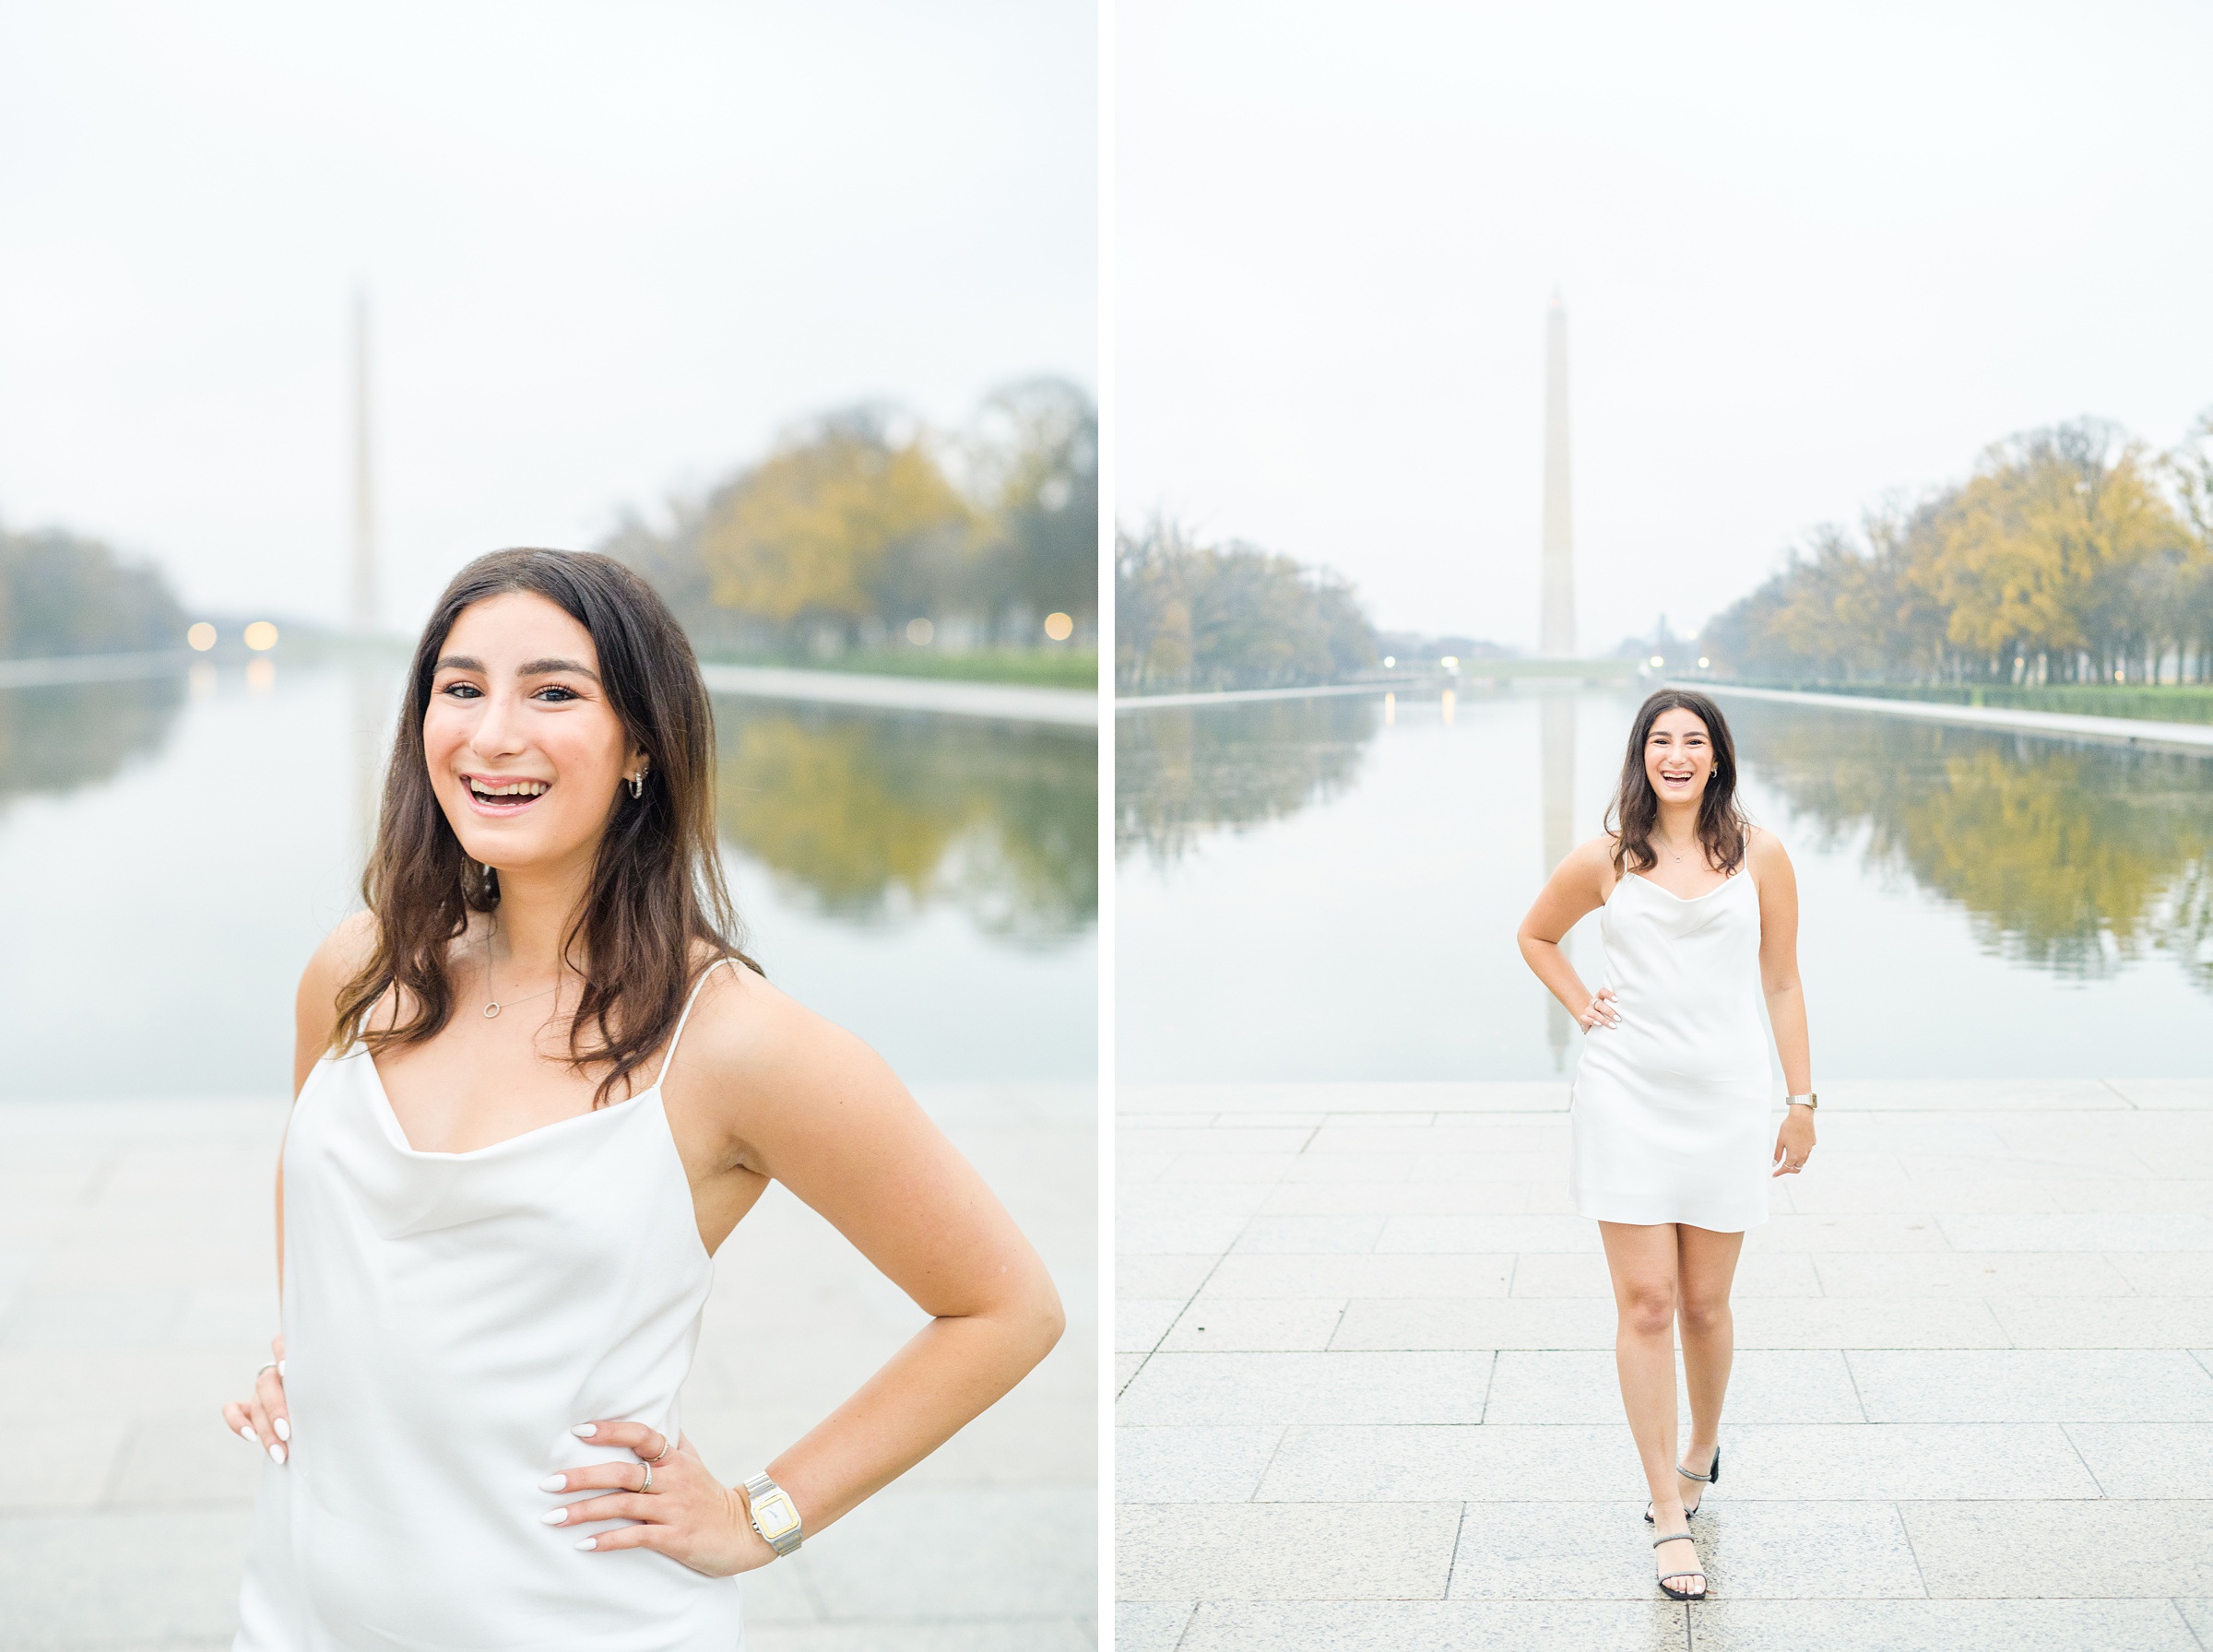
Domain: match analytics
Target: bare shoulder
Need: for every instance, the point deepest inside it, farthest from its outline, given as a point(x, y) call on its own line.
point(1592, 861)
point(1764, 852)
point(1595, 852)
point(759, 1046)
point(316, 1008)
point(336, 961)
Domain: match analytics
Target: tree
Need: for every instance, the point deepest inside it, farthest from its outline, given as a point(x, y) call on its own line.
point(2059, 557)
point(2047, 548)
point(63, 594)
point(1191, 616)
point(845, 521)
point(1036, 457)
point(862, 521)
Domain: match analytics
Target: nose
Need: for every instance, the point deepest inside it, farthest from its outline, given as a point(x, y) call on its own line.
point(498, 732)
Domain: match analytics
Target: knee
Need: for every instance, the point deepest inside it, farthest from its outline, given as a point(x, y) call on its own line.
point(1701, 1313)
point(1647, 1309)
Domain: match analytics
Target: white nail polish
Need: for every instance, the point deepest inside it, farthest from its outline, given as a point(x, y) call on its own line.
point(554, 1517)
point(585, 1431)
point(277, 1454)
point(283, 1428)
point(280, 1367)
point(248, 1435)
point(588, 1542)
point(554, 1482)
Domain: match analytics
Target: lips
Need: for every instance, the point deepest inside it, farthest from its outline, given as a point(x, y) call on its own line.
point(504, 794)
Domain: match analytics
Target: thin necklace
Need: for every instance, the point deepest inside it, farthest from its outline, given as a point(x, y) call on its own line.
point(492, 1005)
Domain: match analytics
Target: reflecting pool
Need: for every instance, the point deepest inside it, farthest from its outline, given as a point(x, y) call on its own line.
point(1329, 888)
point(172, 850)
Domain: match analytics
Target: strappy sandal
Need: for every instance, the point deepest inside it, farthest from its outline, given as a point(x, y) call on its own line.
point(1711, 1477)
point(1675, 1594)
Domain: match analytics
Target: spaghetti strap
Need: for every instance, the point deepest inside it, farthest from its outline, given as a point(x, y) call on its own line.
point(681, 1020)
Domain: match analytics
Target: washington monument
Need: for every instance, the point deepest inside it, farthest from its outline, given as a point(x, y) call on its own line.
point(1555, 626)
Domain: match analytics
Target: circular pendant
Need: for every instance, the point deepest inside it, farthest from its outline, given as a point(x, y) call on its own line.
point(490, 1011)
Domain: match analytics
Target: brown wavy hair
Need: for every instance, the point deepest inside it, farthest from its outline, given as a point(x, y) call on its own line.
point(657, 895)
point(1635, 809)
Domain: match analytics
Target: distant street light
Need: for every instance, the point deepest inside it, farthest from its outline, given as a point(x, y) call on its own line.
point(1704, 662)
point(1059, 627)
point(1390, 662)
point(261, 636)
point(201, 636)
point(1657, 661)
point(1451, 664)
point(919, 632)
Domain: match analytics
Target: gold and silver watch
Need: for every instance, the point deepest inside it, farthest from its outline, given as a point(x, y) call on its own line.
point(1808, 1100)
point(773, 1514)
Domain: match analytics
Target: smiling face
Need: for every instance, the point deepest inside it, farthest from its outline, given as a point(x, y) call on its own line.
point(525, 753)
point(1678, 756)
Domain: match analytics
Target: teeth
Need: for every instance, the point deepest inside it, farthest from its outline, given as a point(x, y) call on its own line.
point(519, 788)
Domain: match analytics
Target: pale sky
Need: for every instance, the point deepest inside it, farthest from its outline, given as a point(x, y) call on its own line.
point(1810, 254)
point(611, 249)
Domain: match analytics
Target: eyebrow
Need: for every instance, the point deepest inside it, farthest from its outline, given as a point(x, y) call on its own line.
point(463, 662)
point(546, 667)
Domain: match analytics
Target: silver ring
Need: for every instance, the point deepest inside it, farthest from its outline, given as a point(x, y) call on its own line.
point(666, 1443)
point(648, 1485)
point(271, 1366)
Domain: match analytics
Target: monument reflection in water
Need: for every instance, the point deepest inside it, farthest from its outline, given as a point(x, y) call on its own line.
point(1312, 890)
point(171, 850)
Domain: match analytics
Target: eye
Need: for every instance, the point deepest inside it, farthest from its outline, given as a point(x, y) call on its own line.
point(462, 690)
point(553, 694)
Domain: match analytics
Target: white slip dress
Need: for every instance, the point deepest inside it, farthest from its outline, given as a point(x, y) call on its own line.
point(1673, 1109)
point(448, 1318)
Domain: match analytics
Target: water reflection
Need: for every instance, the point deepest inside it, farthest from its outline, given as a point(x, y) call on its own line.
point(1180, 773)
point(1970, 902)
point(871, 815)
point(2075, 859)
point(59, 739)
point(928, 883)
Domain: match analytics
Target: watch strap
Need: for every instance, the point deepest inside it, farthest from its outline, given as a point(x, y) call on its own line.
point(773, 1514)
point(1808, 1100)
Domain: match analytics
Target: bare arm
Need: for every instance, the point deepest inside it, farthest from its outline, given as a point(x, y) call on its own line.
point(1786, 998)
point(852, 1144)
point(1778, 959)
point(1578, 887)
point(314, 1013)
point(807, 1104)
point(265, 1419)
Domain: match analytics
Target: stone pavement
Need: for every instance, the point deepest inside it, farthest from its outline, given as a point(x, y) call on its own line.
point(137, 1294)
point(1366, 1397)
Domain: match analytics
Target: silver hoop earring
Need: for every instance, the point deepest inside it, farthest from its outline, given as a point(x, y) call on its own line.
point(637, 784)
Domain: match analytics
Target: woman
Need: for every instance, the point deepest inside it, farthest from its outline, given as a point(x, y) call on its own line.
point(538, 1084)
point(1699, 912)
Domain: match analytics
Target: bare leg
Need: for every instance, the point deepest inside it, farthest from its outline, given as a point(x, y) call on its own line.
point(1642, 1261)
point(1704, 1270)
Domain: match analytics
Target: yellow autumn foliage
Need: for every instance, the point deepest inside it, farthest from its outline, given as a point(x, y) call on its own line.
point(2036, 539)
point(820, 527)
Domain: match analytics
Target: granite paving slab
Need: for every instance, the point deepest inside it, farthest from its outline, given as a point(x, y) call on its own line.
point(1214, 1324)
point(1259, 1388)
point(1439, 1626)
point(2032, 1385)
point(2147, 1459)
point(1285, 1551)
point(2077, 1626)
point(1976, 1335)
point(2047, 1549)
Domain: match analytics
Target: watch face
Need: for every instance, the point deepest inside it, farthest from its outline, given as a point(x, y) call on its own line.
point(775, 1515)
